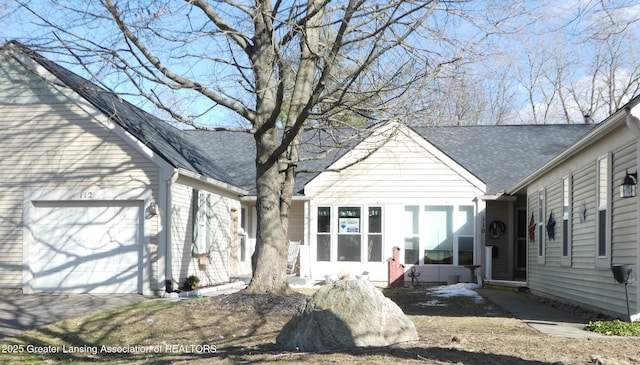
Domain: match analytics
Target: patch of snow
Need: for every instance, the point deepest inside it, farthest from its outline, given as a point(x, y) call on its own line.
point(457, 290)
point(431, 303)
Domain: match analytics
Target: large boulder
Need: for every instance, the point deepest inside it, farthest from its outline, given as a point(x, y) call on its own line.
point(346, 314)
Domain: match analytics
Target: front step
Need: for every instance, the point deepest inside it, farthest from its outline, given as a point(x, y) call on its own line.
point(508, 285)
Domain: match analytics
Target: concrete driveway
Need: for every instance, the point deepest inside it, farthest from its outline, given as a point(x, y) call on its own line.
point(23, 312)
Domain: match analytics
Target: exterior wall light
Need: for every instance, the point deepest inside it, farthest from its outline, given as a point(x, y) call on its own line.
point(629, 184)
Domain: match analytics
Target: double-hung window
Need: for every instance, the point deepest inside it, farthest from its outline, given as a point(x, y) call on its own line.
point(323, 236)
point(202, 221)
point(374, 237)
point(603, 217)
point(541, 227)
point(566, 221)
point(349, 233)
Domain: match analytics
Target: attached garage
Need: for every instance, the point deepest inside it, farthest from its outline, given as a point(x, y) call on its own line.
point(85, 247)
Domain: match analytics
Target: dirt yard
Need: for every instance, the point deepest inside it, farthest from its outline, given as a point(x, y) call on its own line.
point(452, 329)
point(242, 328)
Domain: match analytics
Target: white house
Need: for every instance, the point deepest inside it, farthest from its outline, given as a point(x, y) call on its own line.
point(437, 193)
point(101, 197)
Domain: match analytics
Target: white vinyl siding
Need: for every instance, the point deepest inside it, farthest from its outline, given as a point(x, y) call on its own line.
point(406, 170)
point(399, 171)
point(213, 236)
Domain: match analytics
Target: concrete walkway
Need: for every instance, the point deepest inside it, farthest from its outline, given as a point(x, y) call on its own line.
point(548, 320)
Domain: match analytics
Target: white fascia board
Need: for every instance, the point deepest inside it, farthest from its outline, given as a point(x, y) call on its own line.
point(612, 122)
point(213, 182)
point(253, 198)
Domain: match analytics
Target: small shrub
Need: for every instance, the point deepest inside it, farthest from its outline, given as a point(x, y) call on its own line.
point(191, 283)
point(615, 328)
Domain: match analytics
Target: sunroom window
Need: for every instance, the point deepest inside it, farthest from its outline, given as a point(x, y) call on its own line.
point(439, 234)
point(349, 234)
point(323, 236)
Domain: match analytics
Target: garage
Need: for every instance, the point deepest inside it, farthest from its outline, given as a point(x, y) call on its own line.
point(85, 247)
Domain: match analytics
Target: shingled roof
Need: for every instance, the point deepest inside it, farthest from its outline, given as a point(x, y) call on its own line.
point(502, 155)
point(499, 155)
point(174, 145)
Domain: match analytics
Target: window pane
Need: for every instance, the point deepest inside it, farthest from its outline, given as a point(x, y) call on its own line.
point(540, 240)
point(374, 249)
point(602, 233)
point(324, 219)
point(243, 248)
point(540, 206)
point(438, 257)
point(465, 251)
point(349, 247)
point(375, 220)
point(411, 220)
point(565, 198)
point(565, 237)
point(324, 247)
point(603, 183)
point(349, 220)
point(465, 220)
point(438, 235)
point(411, 251)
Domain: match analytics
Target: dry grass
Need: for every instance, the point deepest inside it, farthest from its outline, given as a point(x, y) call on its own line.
point(241, 328)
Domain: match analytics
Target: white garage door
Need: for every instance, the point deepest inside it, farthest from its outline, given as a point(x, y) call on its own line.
point(86, 247)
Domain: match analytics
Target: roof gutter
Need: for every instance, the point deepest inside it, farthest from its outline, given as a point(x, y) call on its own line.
point(253, 198)
point(501, 196)
point(612, 122)
point(217, 183)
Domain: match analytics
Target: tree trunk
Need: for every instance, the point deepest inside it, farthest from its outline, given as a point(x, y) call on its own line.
point(269, 260)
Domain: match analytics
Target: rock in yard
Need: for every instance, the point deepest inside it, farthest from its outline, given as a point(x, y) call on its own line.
point(346, 314)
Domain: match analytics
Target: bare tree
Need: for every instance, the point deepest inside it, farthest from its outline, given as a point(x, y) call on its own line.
point(273, 66)
point(580, 62)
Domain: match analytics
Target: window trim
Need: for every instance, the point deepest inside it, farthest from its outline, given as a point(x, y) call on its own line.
point(334, 232)
point(368, 234)
point(541, 241)
point(567, 221)
point(202, 215)
point(359, 233)
point(603, 261)
point(329, 233)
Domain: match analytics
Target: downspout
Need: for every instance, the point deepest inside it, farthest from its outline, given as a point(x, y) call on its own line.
point(167, 216)
point(633, 123)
